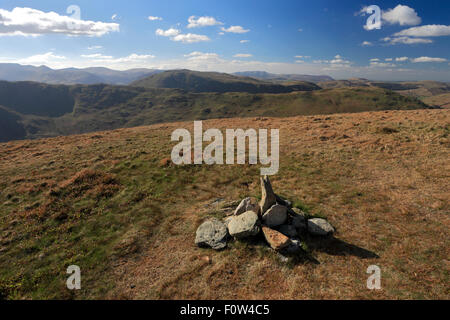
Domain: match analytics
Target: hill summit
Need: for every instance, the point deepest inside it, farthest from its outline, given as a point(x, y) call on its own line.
point(196, 81)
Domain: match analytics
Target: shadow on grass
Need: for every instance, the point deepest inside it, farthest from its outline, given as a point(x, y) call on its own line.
point(331, 246)
point(337, 247)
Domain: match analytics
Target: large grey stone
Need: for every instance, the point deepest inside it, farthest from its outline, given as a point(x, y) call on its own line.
point(298, 218)
point(268, 198)
point(247, 204)
point(320, 227)
point(275, 216)
point(288, 230)
point(211, 233)
point(244, 225)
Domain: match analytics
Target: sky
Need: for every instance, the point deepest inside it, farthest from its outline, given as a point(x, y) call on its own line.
point(407, 40)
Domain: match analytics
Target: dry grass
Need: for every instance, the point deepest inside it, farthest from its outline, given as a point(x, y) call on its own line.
point(381, 178)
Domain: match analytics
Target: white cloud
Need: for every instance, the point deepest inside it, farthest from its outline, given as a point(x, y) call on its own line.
point(41, 59)
point(388, 59)
point(154, 18)
point(190, 38)
point(95, 47)
point(114, 16)
point(432, 30)
point(32, 22)
point(406, 40)
point(299, 61)
point(428, 59)
point(167, 33)
point(381, 64)
point(242, 55)
point(374, 59)
point(235, 29)
point(244, 41)
point(300, 30)
point(197, 55)
point(175, 35)
point(367, 44)
point(401, 59)
point(195, 22)
point(302, 57)
point(402, 15)
point(95, 56)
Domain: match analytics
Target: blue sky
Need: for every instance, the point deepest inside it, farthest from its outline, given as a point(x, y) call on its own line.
point(309, 37)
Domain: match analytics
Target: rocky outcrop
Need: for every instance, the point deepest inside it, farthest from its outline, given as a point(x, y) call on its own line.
point(284, 227)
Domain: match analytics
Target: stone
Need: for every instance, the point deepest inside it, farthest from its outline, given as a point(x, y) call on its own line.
point(213, 234)
point(248, 204)
point(275, 216)
point(244, 225)
point(288, 230)
point(320, 227)
point(298, 218)
point(275, 239)
point(268, 198)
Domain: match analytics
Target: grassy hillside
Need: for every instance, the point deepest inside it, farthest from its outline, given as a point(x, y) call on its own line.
point(51, 110)
point(36, 98)
point(111, 203)
point(195, 81)
point(441, 100)
point(417, 89)
point(10, 126)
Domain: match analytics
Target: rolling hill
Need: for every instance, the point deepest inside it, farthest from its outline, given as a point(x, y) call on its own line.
point(45, 110)
point(195, 81)
point(262, 75)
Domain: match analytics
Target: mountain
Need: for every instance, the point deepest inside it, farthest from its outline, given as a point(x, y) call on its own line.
point(262, 75)
point(195, 81)
point(17, 72)
point(38, 110)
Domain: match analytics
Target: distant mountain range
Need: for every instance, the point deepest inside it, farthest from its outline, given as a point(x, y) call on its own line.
point(283, 77)
point(17, 72)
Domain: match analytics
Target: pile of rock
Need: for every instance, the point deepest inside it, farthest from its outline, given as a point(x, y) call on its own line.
point(274, 217)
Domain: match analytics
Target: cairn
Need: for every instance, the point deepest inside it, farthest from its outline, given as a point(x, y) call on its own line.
point(280, 223)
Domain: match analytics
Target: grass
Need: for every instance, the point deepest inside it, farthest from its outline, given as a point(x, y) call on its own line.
point(107, 203)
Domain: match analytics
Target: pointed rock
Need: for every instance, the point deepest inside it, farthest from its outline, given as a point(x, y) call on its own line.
point(268, 198)
point(276, 240)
